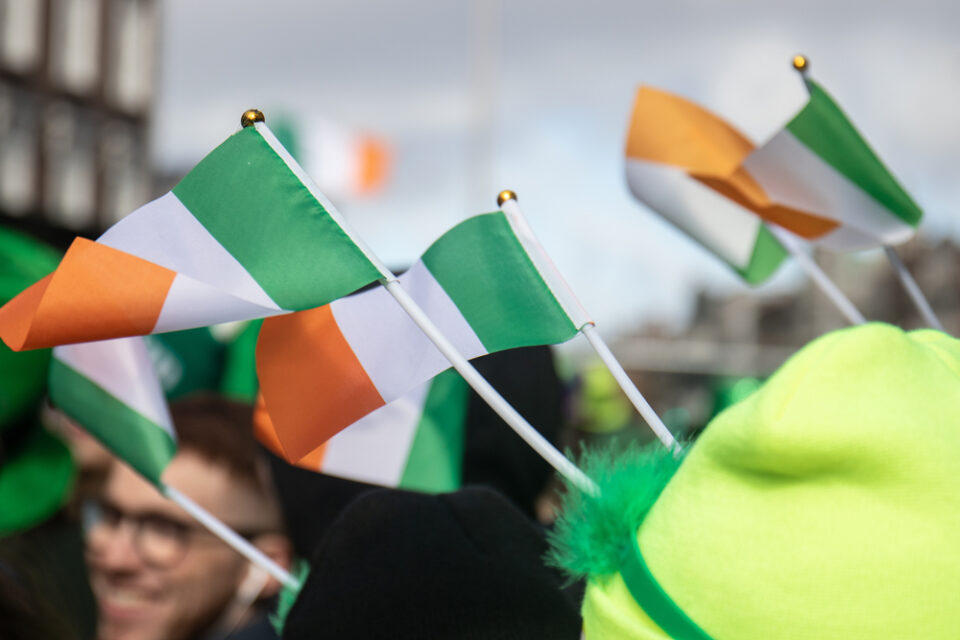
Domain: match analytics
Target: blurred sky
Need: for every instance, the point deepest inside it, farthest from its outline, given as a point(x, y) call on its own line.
point(535, 96)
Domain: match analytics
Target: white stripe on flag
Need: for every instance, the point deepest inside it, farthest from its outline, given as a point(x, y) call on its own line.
point(166, 233)
point(394, 351)
point(792, 175)
point(720, 224)
point(846, 239)
point(190, 303)
point(376, 448)
point(101, 362)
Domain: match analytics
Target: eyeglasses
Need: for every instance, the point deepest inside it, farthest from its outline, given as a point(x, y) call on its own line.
point(160, 541)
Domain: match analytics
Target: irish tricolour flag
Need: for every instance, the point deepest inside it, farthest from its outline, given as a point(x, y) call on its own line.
point(111, 389)
point(821, 166)
point(415, 442)
point(817, 178)
point(677, 154)
point(244, 235)
point(486, 283)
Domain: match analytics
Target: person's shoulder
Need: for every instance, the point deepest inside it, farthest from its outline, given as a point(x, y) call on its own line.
point(259, 629)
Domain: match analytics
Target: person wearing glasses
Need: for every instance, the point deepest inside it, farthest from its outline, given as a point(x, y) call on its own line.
point(158, 574)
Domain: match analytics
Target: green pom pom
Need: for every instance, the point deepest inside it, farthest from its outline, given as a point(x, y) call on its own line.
point(592, 531)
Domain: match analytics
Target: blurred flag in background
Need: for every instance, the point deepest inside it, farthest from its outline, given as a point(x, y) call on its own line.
point(345, 163)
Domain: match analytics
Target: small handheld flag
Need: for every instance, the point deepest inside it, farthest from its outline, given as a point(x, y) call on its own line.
point(244, 235)
point(111, 389)
point(692, 167)
point(828, 185)
point(679, 159)
point(484, 283)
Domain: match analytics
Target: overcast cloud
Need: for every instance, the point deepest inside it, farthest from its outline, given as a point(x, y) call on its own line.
point(540, 103)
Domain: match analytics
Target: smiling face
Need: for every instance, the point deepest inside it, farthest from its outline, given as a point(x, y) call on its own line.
point(140, 601)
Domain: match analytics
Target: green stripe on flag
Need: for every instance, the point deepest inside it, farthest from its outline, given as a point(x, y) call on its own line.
point(258, 210)
point(482, 266)
point(239, 379)
point(826, 131)
point(435, 461)
point(767, 256)
point(132, 437)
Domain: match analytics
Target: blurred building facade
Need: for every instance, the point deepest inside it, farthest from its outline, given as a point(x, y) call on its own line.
point(77, 83)
point(749, 336)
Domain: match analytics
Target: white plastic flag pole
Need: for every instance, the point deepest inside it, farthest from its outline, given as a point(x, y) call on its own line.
point(819, 278)
point(479, 384)
point(231, 537)
point(636, 398)
point(913, 290)
point(508, 203)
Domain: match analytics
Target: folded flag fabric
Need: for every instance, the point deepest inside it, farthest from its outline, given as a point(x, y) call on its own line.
point(415, 442)
point(677, 154)
point(817, 178)
point(821, 165)
point(111, 389)
point(244, 235)
point(486, 283)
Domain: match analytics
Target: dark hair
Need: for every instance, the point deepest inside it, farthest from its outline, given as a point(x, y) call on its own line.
point(221, 432)
point(26, 612)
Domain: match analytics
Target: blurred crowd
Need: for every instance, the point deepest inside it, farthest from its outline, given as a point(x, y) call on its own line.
point(90, 549)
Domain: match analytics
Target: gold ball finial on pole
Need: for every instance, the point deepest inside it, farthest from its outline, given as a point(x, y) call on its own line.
point(250, 116)
point(801, 63)
point(505, 195)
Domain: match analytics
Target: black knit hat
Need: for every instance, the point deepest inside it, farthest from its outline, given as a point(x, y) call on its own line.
point(464, 565)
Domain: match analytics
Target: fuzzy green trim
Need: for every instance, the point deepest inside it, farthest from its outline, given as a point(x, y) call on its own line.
point(288, 595)
point(592, 531)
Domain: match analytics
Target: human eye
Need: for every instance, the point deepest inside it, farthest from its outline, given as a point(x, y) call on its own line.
point(161, 541)
point(163, 527)
point(109, 514)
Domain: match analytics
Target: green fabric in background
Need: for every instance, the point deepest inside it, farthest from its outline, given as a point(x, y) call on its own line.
point(239, 377)
point(36, 470)
point(187, 361)
point(212, 359)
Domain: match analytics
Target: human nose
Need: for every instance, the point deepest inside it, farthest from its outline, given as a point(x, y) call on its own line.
point(114, 548)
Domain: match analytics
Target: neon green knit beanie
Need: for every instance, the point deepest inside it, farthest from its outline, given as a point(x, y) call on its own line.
point(825, 506)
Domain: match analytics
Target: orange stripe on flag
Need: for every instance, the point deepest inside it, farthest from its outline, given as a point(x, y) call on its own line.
point(744, 190)
point(16, 315)
point(308, 399)
point(667, 129)
point(373, 165)
point(96, 293)
point(806, 225)
point(266, 433)
point(313, 460)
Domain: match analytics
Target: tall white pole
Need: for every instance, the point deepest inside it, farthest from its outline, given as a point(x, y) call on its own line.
point(231, 537)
